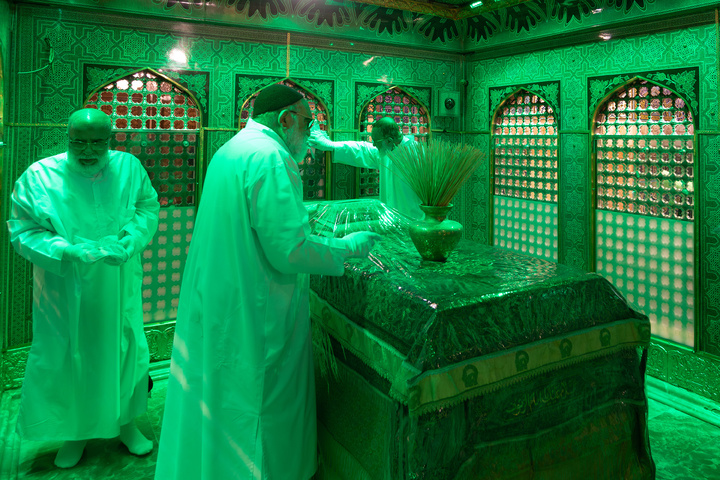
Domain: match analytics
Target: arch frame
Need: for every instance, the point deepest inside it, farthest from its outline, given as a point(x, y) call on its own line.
point(200, 157)
point(692, 106)
point(510, 92)
point(382, 90)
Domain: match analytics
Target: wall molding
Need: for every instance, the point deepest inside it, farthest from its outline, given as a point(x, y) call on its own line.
point(159, 337)
point(696, 372)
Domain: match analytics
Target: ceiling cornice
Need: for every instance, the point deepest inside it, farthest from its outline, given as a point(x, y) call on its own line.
point(443, 10)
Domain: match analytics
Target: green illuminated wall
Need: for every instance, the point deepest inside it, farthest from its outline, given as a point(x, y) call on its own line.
point(346, 53)
point(91, 49)
point(685, 60)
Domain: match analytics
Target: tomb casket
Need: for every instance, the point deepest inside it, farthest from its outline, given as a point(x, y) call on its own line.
point(491, 365)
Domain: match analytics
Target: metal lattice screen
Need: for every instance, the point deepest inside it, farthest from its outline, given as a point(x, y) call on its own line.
point(644, 151)
point(158, 121)
point(525, 176)
point(313, 168)
point(408, 113)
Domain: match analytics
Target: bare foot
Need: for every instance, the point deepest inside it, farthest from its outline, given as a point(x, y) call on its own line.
point(134, 440)
point(70, 453)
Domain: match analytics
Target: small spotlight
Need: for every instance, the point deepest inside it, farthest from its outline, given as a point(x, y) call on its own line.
point(476, 4)
point(178, 55)
point(597, 10)
point(605, 36)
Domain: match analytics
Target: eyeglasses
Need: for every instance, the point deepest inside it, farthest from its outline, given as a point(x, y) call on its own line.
point(311, 120)
point(94, 144)
point(379, 141)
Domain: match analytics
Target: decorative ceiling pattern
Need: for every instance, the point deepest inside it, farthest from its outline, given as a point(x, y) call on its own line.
point(442, 21)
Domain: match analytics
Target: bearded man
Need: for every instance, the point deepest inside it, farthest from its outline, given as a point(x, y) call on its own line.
point(241, 396)
point(82, 218)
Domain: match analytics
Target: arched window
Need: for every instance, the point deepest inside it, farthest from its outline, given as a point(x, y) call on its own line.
point(644, 183)
point(407, 111)
point(524, 174)
point(158, 121)
point(313, 168)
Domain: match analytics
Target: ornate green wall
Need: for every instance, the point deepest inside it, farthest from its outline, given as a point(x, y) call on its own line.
point(586, 73)
point(224, 63)
point(344, 53)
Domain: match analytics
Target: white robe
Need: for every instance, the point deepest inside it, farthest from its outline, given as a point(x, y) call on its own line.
point(241, 399)
point(87, 370)
point(395, 192)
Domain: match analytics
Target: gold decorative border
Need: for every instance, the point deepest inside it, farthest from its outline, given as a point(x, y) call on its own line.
point(424, 392)
point(482, 375)
point(374, 352)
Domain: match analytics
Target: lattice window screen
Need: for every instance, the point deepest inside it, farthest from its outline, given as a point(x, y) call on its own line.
point(313, 168)
point(525, 176)
point(644, 151)
point(412, 117)
point(158, 121)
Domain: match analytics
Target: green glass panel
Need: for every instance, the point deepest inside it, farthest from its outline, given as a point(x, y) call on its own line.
point(651, 261)
point(527, 227)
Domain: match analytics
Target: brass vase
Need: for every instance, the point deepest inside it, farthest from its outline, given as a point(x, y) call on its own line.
point(435, 237)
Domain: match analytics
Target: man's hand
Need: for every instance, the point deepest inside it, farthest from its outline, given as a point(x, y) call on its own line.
point(128, 243)
point(83, 253)
point(320, 140)
point(121, 251)
point(359, 244)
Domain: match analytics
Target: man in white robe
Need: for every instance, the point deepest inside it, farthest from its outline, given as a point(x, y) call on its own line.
point(82, 218)
point(395, 192)
point(241, 397)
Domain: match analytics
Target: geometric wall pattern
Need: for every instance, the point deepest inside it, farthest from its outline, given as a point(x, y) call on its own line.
point(644, 150)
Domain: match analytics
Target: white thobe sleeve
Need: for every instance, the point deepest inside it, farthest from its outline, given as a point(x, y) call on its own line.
point(283, 231)
point(357, 154)
point(144, 223)
point(32, 233)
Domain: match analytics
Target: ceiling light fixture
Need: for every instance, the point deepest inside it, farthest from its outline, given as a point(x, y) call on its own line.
point(178, 55)
point(476, 4)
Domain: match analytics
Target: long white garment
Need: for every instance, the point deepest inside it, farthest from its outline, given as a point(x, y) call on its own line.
point(87, 370)
point(394, 191)
point(241, 399)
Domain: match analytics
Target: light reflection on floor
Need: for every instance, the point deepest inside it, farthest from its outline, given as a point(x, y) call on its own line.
point(683, 447)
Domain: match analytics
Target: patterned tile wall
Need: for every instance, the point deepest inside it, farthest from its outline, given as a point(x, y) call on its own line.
point(42, 102)
point(694, 47)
